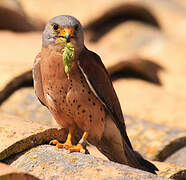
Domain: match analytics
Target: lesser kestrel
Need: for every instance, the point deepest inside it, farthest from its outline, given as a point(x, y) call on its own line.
point(80, 94)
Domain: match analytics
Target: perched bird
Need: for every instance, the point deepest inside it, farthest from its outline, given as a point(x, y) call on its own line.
point(72, 82)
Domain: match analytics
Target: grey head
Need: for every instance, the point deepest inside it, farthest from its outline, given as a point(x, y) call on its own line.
point(57, 28)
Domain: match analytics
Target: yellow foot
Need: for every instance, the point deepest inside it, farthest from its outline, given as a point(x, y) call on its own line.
point(66, 145)
point(77, 148)
point(57, 143)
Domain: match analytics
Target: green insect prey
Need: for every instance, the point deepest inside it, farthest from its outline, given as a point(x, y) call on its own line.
point(68, 55)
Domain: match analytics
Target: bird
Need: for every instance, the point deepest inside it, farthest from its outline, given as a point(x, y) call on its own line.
point(82, 100)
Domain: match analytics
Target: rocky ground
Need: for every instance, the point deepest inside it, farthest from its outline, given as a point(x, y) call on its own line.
point(142, 44)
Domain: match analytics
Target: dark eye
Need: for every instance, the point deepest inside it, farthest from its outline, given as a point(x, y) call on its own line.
point(76, 27)
point(55, 27)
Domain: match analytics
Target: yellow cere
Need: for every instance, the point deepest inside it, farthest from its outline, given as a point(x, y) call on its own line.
point(67, 30)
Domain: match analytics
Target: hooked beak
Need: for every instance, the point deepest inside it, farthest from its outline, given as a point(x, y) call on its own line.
point(66, 34)
point(68, 37)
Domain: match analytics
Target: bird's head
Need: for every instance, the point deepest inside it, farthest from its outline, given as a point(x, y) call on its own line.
point(61, 29)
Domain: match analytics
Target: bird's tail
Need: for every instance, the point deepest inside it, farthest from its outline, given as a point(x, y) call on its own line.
point(117, 148)
point(137, 161)
point(146, 165)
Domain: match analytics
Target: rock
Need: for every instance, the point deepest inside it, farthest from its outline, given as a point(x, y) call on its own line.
point(170, 55)
point(154, 13)
point(150, 102)
point(13, 18)
point(131, 40)
point(182, 3)
point(103, 14)
point(179, 175)
point(18, 52)
point(22, 80)
point(119, 15)
point(47, 162)
point(124, 41)
point(19, 134)
point(153, 141)
point(178, 157)
point(27, 107)
point(23, 134)
point(10, 173)
point(171, 171)
point(16, 70)
point(50, 9)
point(135, 68)
point(134, 40)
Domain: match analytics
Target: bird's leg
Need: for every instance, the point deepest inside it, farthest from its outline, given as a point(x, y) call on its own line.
point(66, 145)
point(79, 146)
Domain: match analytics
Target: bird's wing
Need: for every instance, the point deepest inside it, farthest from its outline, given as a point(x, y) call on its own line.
point(100, 83)
point(38, 79)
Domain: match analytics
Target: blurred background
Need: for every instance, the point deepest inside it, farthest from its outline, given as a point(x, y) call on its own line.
point(141, 42)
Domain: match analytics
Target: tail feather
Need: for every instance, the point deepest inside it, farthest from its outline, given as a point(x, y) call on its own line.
point(118, 148)
point(136, 160)
point(146, 165)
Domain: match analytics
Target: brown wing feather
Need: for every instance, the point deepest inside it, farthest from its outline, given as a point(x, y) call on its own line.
point(38, 79)
point(92, 66)
point(97, 76)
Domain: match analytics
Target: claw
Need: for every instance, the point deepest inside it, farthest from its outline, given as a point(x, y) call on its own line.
point(57, 143)
point(77, 148)
point(60, 145)
point(68, 145)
